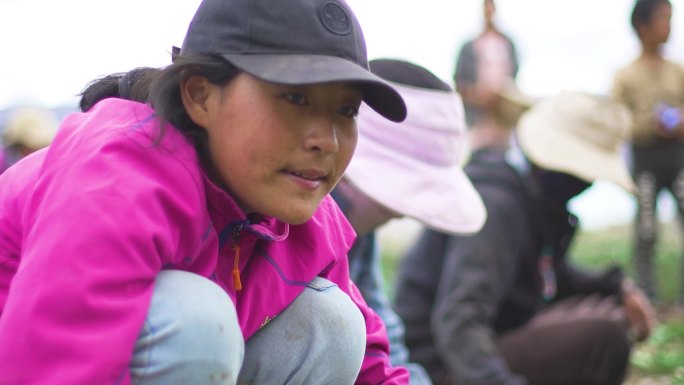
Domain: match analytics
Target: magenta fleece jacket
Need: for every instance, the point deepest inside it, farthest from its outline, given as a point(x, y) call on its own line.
point(87, 224)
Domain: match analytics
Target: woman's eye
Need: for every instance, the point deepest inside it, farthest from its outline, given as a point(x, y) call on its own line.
point(297, 99)
point(349, 111)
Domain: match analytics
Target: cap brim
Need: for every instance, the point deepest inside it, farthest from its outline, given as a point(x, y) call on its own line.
point(443, 198)
point(311, 69)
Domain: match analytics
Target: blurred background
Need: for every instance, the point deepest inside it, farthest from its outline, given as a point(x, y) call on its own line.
point(51, 49)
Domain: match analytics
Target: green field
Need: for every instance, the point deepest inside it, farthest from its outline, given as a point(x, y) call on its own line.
point(662, 355)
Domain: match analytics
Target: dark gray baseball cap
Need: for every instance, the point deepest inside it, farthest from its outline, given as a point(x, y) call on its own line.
point(292, 42)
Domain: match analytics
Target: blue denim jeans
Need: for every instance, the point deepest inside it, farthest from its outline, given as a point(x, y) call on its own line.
point(319, 339)
point(192, 336)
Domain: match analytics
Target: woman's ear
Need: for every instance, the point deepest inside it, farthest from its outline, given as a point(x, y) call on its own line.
point(195, 92)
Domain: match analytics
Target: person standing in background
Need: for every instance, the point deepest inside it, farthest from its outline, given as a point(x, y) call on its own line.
point(652, 87)
point(486, 66)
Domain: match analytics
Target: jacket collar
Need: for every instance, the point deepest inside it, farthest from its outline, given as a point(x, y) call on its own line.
point(225, 212)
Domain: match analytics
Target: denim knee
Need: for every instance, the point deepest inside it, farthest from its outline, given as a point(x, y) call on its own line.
point(319, 339)
point(191, 334)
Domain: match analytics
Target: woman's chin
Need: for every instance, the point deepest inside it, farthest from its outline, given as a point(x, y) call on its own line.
point(296, 219)
point(296, 215)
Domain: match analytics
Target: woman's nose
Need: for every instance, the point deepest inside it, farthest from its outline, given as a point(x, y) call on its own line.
point(322, 135)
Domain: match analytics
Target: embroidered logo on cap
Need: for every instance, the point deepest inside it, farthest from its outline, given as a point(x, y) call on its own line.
point(334, 18)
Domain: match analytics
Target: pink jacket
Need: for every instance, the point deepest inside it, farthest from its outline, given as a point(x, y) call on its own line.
point(86, 225)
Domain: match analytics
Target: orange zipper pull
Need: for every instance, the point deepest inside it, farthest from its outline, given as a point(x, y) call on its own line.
point(237, 284)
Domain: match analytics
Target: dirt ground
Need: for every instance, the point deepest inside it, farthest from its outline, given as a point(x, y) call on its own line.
point(648, 381)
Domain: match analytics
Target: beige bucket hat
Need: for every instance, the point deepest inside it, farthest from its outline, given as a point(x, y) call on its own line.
point(32, 127)
point(579, 134)
point(511, 104)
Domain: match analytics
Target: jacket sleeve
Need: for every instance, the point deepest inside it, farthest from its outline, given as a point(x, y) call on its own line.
point(513, 54)
point(465, 72)
point(620, 93)
point(367, 275)
point(97, 231)
point(376, 368)
point(476, 272)
point(573, 280)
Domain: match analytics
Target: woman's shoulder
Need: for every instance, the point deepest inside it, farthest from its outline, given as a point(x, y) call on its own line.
point(115, 129)
point(106, 164)
point(121, 147)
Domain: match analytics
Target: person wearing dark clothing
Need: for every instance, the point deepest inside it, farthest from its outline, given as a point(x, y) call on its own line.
point(507, 306)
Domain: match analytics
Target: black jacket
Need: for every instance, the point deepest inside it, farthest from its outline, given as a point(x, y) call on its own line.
point(457, 293)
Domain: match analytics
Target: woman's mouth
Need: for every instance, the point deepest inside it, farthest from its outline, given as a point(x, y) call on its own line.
point(308, 179)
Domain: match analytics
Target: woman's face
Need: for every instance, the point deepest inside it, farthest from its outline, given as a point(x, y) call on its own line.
point(280, 149)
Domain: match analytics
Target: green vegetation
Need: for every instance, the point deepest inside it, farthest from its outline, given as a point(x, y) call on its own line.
point(662, 355)
point(614, 246)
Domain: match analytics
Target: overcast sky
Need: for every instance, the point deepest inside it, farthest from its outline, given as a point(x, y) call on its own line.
point(52, 48)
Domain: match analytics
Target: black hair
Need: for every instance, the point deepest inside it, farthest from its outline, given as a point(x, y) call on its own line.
point(165, 95)
point(161, 89)
point(131, 85)
point(643, 11)
point(410, 74)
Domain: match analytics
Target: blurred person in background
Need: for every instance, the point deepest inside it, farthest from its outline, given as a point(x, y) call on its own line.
point(506, 305)
point(486, 66)
point(406, 169)
point(652, 87)
point(28, 129)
